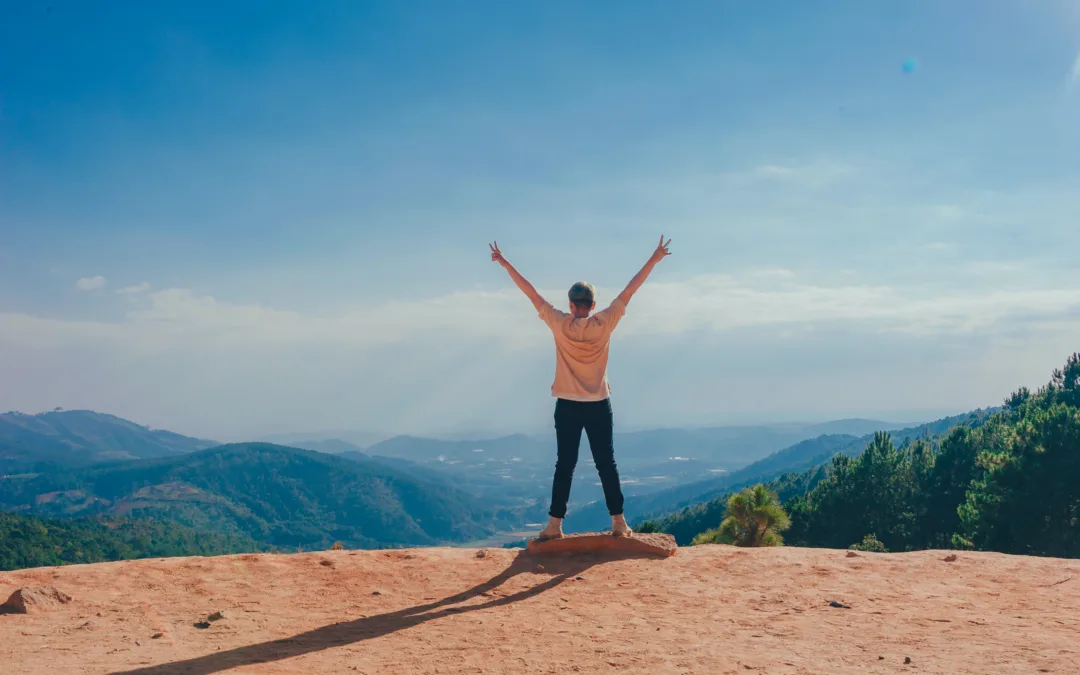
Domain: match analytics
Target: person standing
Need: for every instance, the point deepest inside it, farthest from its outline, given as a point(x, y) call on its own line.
point(581, 390)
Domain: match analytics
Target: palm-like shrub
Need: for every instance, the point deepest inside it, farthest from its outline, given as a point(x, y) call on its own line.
point(754, 518)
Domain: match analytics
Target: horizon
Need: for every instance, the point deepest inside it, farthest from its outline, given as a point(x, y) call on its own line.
point(284, 438)
point(253, 219)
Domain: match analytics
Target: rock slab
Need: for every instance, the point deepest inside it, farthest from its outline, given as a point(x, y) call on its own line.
point(660, 545)
point(34, 599)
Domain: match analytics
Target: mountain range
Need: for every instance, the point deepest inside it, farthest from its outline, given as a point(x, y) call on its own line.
point(404, 490)
point(798, 457)
point(81, 438)
point(280, 497)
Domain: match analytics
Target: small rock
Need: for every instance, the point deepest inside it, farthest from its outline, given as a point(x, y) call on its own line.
point(839, 605)
point(326, 563)
point(881, 658)
point(950, 558)
point(203, 624)
point(539, 568)
point(376, 592)
point(89, 625)
point(34, 599)
point(481, 553)
point(907, 660)
point(157, 636)
point(100, 614)
point(138, 644)
point(579, 578)
point(852, 554)
point(216, 616)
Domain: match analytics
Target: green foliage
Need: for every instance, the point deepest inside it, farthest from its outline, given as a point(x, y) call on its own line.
point(869, 544)
point(1007, 481)
point(754, 518)
point(1027, 496)
point(689, 523)
point(790, 472)
point(1009, 484)
point(26, 541)
point(874, 492)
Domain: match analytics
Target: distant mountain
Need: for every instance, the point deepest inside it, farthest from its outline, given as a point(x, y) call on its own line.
point(514, 472)
point(280, 497)
point(727, 447)
point(73, 438)
point(331, 446)
point(852, 427)
point(26, 541)
point(359, 440)
point(796, 458)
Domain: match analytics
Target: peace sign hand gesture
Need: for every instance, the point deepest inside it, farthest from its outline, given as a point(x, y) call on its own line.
point(661, 251)
point(496, 254)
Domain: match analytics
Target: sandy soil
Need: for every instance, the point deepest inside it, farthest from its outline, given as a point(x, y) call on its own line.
point(711, 609)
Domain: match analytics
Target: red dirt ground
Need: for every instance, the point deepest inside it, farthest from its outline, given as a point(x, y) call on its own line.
point(707, 609)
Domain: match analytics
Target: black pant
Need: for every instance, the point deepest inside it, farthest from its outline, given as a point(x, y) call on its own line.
point(596, 419)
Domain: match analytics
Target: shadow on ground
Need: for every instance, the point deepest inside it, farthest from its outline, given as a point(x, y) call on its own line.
point(358, 630)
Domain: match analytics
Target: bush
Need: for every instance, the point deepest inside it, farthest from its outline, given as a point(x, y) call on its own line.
point(754, 518)
point(869, 544)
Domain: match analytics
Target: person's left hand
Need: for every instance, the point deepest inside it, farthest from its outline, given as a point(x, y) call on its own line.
point(496, 254)
point(661, 251)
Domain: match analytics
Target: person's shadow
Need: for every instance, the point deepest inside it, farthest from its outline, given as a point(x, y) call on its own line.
point(367, 628)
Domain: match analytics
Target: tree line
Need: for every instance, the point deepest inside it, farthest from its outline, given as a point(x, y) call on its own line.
point(26, 541)
point(1009, 482)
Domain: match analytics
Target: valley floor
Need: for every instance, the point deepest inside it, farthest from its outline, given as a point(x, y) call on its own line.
point(709, 609)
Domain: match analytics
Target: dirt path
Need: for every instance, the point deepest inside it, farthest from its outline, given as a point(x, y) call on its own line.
point(711, 609)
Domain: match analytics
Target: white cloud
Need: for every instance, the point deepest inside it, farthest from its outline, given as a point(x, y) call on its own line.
point(134, 290)
point(182, 360)
point(90, 283)
point(815, 174)
point(949, 211)
point(173, 318)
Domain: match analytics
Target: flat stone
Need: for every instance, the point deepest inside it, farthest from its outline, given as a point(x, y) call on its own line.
point(661, 545)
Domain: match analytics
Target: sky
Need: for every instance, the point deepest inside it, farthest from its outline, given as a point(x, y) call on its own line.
point(242, 219)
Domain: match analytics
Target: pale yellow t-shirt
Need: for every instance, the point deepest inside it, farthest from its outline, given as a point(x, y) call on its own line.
point(581, 351)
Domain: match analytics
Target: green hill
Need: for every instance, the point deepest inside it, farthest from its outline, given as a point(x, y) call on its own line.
point(799, 457)
point(1007, 481)
point(280, 497)
point(26, 541)
point(75, 438)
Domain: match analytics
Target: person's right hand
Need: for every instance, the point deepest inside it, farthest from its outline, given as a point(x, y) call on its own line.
point(496, 254)
point(661, 251)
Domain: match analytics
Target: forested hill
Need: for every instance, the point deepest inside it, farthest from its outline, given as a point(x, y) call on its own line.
point(796, 458)
point(1008, 482)
point(73, 438)
point(26, 541)
point(280, 497)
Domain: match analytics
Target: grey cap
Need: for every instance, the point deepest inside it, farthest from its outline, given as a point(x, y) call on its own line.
point(582, 291)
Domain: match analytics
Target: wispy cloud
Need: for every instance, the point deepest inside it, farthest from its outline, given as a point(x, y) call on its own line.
point(134, 290)
point(1074, 76)
point(164, 319)
point(90, 283)
point(815, 174)
point(411, 365)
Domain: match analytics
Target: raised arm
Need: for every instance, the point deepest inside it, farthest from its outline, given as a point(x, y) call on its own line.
point(659, 254)
point(522, 283)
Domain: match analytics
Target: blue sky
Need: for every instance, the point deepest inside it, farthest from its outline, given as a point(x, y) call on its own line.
point(274, 216)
